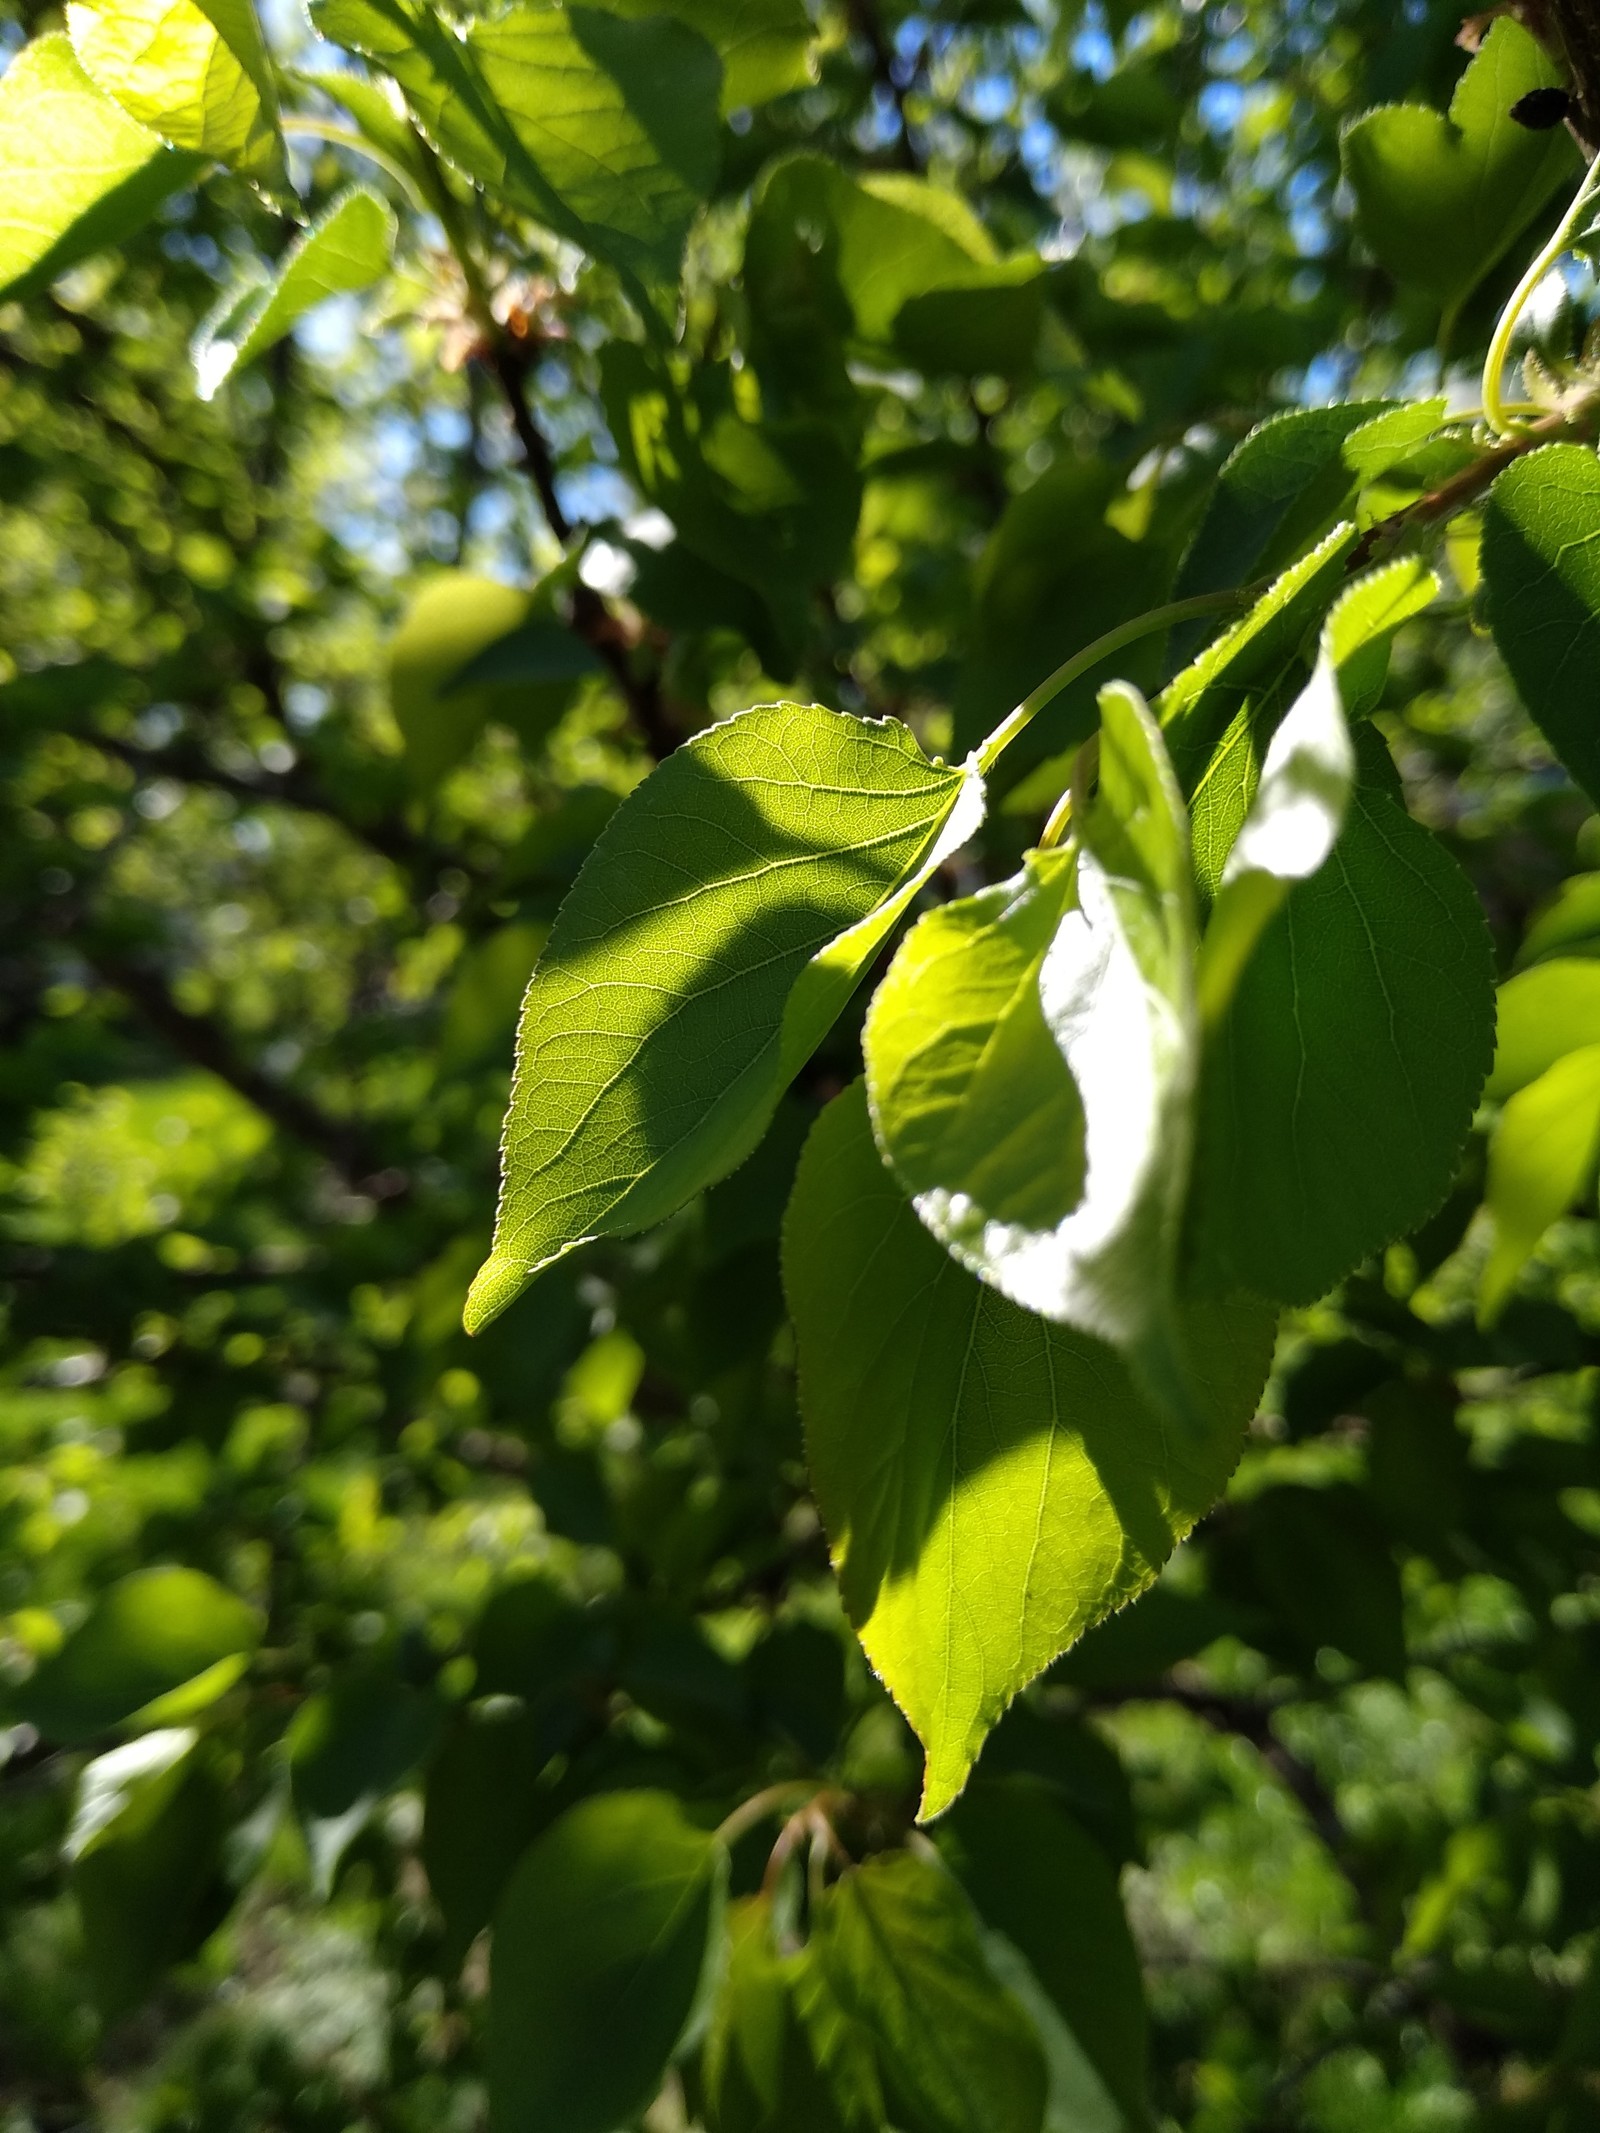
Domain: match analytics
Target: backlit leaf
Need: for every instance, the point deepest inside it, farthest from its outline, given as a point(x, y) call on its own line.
point(1542, 1161)
point(1440, 199)
point(1542, 1014)
point(709, 943)
point(1094, 1016)
point(76, 173)
point(194, 71)
point(348, 248)
point(992, 1484)
point(604, 129)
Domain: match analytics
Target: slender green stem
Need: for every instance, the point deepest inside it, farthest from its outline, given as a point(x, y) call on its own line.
point(1057, 824)
point(989, 752)
point(346, 137)
point(1496, 413)
point(760, 1805)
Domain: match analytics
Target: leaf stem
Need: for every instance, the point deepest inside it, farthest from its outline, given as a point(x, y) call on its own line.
point(760, 1805)
point(989, 752)
point(1496, 413)
point(346, 137)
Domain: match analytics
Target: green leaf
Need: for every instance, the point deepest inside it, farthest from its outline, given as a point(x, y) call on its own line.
point(1320, 1572)
point(143, 1851)
point(1306, 776)
point(992, 1485)
point(1241, 668)
point(442, 685)
point(766, 46)
point(348, 248)
point(1568, 925)
point(1035, 1875)
point(482, 1807)
point(76, 173)
point(1439, 200)
point(711, 940)
point(1541, 568)
point(1053, 577)
point(900, 1947)
point(970, 1093)
point(194, 71)
point(153, 1633)
point(1086, 975)
point(1542, 1014)
point(1276, 491)
point(1542, 1161)
point(604, 129)
point(763, 2070)
point(1341, 1082)
point(348, 1746)
point(603, 1943)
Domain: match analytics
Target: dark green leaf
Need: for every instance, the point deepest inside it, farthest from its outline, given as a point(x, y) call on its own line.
point(900, 1947)
point(603, 1942)
point(1341, 1083)
point(143, 1849)
point(1034, 1875)
point(1541, 569)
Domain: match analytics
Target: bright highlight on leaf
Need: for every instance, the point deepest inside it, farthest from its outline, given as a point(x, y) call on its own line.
point(715, 933)
point(1306, 776)
point(194, 71)
point(992, 1485)
point(348, 248)
point(1114, 992)
point(1542, 1161)
point(76, 173)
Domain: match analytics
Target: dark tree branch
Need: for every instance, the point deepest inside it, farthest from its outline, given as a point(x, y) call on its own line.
point(592, 618)
point(206, 1044)
point(1571, 29)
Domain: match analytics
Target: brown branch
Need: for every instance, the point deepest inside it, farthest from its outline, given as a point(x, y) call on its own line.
point(1461, 489)
point(1571, 29)
point(206, 1044)
point(592, 618)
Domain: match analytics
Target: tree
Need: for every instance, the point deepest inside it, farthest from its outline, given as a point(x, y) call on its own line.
point(1000, 1532)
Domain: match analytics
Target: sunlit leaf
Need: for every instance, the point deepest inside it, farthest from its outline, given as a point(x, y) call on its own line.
point(348, 248)
point(1542, 1161)
point(76, 173)
point(992, 1484)
point(194, 71)
point(711, 940)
